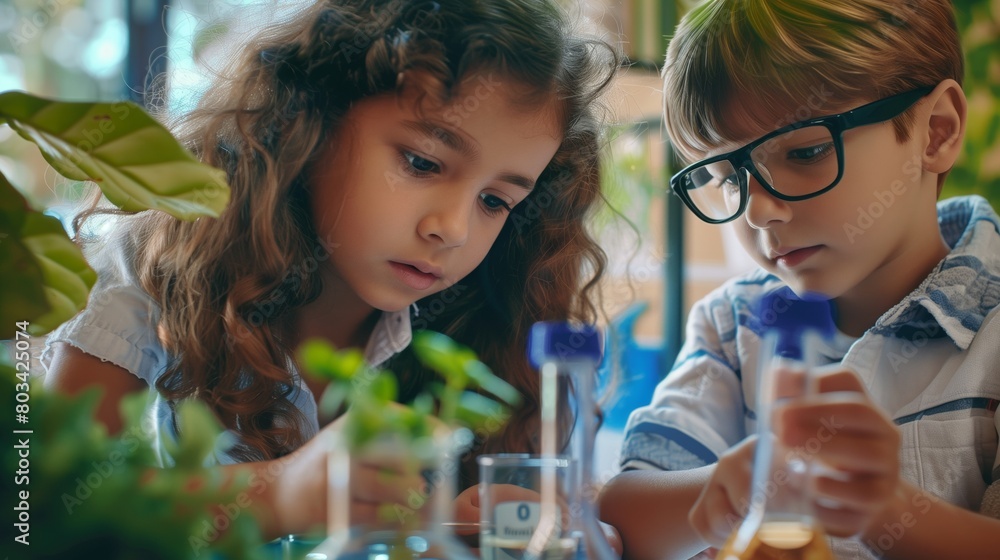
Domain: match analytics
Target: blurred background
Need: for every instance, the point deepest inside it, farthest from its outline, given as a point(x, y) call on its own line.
point(111, 49)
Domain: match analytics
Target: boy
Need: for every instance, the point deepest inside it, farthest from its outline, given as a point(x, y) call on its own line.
point(822, 130)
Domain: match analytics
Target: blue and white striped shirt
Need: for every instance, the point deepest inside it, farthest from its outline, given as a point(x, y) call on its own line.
point(932, 362)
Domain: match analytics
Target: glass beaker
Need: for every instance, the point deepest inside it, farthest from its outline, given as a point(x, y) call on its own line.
point(415, 529)
point(510, 501)
point(780, 524)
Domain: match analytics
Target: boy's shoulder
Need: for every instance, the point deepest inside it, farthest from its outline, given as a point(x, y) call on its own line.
point(731, 305)
point(741, 289)
point(965, 287)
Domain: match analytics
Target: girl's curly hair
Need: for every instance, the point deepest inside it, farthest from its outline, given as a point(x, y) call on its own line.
point(228, 287)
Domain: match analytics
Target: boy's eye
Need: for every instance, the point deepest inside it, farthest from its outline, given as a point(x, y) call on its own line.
point(494, 204)
point(419, 164)
point(733, 183)
point(811, 153)
point(727, 183)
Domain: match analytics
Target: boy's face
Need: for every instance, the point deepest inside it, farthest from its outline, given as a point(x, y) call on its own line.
point(868, 232)
point(412, 200)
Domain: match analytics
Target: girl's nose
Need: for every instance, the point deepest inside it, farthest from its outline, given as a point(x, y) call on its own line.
point(447, 222)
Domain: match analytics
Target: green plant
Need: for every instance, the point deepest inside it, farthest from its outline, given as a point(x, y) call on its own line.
point(136, 163)
point(372, 392)
point(978, 168)
point(407, 437)
point(88, 495)
point(77, 491)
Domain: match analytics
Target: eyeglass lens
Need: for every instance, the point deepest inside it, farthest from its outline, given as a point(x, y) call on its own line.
point(797, 163)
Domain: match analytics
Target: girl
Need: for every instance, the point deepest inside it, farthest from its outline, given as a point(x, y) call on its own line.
point(390, 161)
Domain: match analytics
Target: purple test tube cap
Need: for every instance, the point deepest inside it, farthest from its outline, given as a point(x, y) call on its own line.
point(791, 316)
point(556, 341)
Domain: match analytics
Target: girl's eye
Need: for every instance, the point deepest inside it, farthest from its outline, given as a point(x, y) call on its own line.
point(418, 165)
point(493, 204)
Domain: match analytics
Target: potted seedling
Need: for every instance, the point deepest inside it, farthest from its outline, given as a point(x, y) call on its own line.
point(419, 441)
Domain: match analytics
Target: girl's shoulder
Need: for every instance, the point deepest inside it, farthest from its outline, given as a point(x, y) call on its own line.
point(119, 323)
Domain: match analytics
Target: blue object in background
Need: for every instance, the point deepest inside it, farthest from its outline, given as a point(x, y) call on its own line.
point(639, 369)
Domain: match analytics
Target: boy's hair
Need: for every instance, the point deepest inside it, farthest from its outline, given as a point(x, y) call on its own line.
point(226, 287)
point(791, 60)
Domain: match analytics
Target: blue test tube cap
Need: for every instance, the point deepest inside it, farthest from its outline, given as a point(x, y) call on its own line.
point(557, 341)
point(791, 316)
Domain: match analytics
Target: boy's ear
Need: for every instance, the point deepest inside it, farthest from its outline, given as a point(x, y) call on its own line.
point(945, 127)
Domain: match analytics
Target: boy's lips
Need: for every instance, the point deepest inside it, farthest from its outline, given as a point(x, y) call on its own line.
point(790, 257)
point(416, 274)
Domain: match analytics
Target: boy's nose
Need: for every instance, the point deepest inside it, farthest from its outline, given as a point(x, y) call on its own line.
point(763, 208)
point(447, 221)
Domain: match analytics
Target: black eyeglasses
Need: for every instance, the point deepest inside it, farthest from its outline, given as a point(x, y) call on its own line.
point(795, 162)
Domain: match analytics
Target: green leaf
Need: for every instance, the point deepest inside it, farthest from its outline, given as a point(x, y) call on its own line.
point(442, 354)
point(423, 404)
point(475, 411)
point(374, 412)
point(51, 279)
point(333, 399)
point(66, 276)
point(198, 431)
point(132, 158)
point(415, 424)
point(321, 359)
point(482, 377)
point(384, 387)
point(22, 295)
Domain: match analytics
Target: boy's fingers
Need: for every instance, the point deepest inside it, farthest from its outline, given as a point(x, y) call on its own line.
point(859, 492)
point(717, 511)
point(828, 415)
point(834, 381)
point(788, 383)
point(841, 522)
point(709, 515)
point(858, 456)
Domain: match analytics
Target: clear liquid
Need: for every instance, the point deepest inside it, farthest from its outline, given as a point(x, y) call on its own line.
point(495, 547)
point(780, 540)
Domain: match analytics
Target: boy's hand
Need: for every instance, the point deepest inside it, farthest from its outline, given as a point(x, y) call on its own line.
point(724, 500)
point(854, 445)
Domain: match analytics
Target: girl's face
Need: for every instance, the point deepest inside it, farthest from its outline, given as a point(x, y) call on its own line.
point(412, 200)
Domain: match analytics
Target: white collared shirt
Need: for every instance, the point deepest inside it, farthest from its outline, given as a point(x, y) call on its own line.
point(119, 326)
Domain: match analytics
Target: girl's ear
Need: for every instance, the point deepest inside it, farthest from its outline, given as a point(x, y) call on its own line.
point(945, 127)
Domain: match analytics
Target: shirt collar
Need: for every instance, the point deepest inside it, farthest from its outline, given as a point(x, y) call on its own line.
point(391, 335)
point(965, 286)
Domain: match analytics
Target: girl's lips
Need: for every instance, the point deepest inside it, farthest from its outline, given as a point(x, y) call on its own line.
point(413, 277)
point(792, 259)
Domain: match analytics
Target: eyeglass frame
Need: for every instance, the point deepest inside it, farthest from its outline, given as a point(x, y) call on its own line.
point(875, 112)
